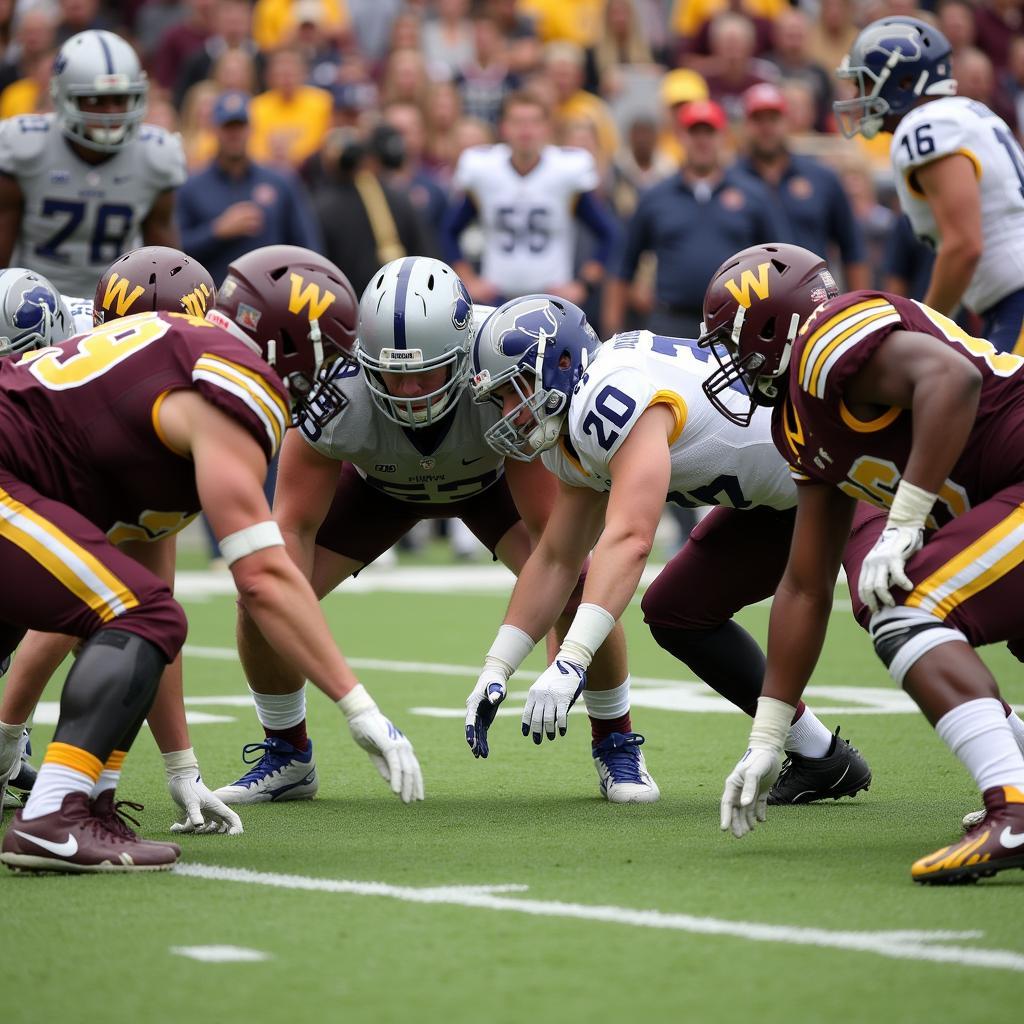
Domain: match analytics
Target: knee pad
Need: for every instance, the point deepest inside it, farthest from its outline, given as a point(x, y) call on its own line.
point(903, 635)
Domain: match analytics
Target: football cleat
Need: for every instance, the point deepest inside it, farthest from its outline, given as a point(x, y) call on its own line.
point(73, 839)
point(116, 818)
point(994, 845)
point(621, 771)
point(281, 773)
point(841, 772)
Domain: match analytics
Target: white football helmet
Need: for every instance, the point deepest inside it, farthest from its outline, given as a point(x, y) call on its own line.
point(33, 313)
point(415, 316)
point(94, 64)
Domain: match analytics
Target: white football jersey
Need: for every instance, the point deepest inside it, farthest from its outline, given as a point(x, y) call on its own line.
point(956, 124)
point(79, 217)
point(529, 230)
point(714, 462)
point(81, 314)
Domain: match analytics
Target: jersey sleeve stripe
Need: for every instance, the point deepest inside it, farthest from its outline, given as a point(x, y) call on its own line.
point(258, 397)
point(257, 380)
point(862, 331)
point(242, 393)
point(679, 410)
point(798, 474)
point(65, 559)
point(839, 343)
point(825, 332)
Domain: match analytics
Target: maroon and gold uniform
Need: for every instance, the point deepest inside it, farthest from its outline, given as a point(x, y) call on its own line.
point(968, 572)
point(83, 466)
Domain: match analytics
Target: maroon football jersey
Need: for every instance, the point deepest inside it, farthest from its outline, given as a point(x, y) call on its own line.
point(825, 443)
point(78, 420)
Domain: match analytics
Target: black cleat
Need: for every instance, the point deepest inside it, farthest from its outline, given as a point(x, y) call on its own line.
point(841, 772)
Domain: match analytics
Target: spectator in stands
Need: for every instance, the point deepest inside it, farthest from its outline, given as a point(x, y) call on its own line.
point(198, 135)
point(520, 35)
point(692, 222)
point(791, 56)
point(568, 21)
point(875, 219)
point(733, 68)
point(276, 21)
point(290, 119)
point(908, 261)
point(1000, 24)
point(976, 78)
point(485, 79)
point(692, 22)
point(405, 78)
point(366, 222)
point(78, 15)
point(443, 111)
point(34, 38)
point(832, 33)
point(30, 94)
point(623, 43)
point(371, 26)
point(182, 40)
point(320, 48)
point(956, 21)
point(809, 194)
point(565, 66)
point(447, 38)
point(232, 31)
point(1013, 79)
point(152, 19)
point(412, 177)
point(235, 205)
point(678, 87)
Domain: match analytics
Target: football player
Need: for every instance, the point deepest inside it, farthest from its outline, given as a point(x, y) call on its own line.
point(623, 426)
point(184, 414)
point(882, 399)
point(82, 185)
point(147, 279)
point(390, 442)
point(527, 195)
point(960, 170)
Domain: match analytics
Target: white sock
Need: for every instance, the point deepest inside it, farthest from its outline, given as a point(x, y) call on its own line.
point(280, 710)
point(53, 783)
point(607, 704)
point(978, 733)
point(107, 780)
point(1017, 727)
point(808, 737)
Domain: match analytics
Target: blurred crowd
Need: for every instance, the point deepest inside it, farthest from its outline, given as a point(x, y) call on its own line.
point(338, 123)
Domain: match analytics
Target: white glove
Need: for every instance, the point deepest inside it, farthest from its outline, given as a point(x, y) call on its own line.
point(883, 566)
point(481, 706)
point(390, 751)
point(202, 812)
point(551, 697)
point(745, 798)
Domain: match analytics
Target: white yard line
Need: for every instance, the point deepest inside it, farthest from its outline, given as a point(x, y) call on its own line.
point(221, 954)
point(925, 946)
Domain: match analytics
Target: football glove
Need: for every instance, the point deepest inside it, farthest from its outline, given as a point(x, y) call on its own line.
point(745, 798)
point(390, 751)
point(551, 697)
point(481, 706)
point(202, 812)
point(883, 566)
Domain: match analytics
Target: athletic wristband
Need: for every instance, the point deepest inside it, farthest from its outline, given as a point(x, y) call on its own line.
point(590, 628)
point(911, 506)
point(250, 540)
point(771, 725)
point(509, 650)
point(12, 732)
point(178, 761)
point(356, 701)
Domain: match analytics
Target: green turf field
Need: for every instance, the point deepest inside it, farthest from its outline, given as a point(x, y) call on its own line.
point(365, 910)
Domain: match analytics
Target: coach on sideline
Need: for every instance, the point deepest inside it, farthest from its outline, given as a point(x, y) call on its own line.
point(235, 205)
point(692, 221)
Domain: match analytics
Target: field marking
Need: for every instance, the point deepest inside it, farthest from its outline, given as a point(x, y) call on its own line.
point(221, 954)
point(924, 946)
point(48, 711)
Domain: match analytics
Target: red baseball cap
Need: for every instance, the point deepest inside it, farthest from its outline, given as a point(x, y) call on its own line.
point(761, 97)
point(702, 112)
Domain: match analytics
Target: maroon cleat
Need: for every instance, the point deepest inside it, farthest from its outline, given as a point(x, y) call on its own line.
point(116, 819)
point(995, 844)
point(74, 840)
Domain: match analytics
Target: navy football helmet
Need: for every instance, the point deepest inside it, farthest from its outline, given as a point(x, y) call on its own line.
point(894, 62)
point(540, 345)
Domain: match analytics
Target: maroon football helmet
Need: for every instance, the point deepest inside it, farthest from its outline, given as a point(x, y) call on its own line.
point(294, 307)
point(753, 309)
point(153, 278)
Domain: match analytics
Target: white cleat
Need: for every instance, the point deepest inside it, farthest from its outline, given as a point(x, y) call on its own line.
point(621, 771)
point(281, 773)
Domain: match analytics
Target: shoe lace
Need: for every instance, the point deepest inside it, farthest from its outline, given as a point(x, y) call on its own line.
point(116, 820)
point(271, 760)
point(619, 753)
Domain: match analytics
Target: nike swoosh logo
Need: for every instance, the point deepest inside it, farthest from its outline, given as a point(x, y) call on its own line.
point(469, 462)
point(1011, 840)
point(70, 846)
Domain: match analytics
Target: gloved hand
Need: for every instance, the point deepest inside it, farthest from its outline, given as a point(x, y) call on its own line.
point(390, 751)
point(745, 798)
point(481, 707)
point(883, 566)
point(551, 697)
point(202, 812)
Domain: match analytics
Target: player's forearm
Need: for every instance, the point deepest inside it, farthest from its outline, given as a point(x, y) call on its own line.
point(619, 560)
point(796, 632)
point(167, 714)
point(300, 543)
point(541, 592)
point(954, 267)
point(39, 656)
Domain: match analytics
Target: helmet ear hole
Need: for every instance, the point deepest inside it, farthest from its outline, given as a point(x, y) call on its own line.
point(768, 329)
point(780, 267)
point(277, 273)
point(287, 344)
point(430, 283)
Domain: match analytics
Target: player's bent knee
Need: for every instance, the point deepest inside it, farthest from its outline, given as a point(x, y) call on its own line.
point(160, 620)
point(902, 636)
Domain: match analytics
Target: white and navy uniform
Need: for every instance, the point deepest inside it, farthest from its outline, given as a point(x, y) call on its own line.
point(528, 219)
point(79, 217)
point(958, 125)
point(714, 462)
point(81, 314)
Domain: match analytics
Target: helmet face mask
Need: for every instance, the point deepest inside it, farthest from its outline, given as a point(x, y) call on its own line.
point(98, 66)
point(33, 314)
point(415, 318)
point(893, 63)
point(539, 346)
